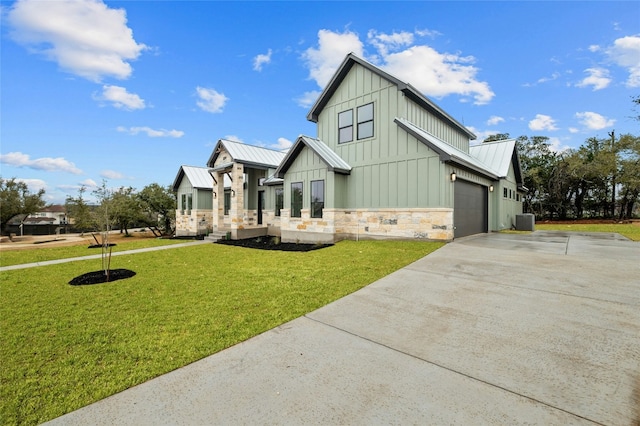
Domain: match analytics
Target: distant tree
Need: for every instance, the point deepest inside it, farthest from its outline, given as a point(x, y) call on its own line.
point(629, 174)
point(16, 199)
point(636, 102)
point(125, 208)
point(78, 210)
point(538, 162)
point(159, 204)
point(496, 137)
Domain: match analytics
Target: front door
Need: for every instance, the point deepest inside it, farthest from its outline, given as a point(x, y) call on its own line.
point(260, 206)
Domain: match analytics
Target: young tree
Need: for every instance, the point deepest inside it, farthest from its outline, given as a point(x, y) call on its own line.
point(159, 203)
point(16, 199)
point(125, 208)
point(80, 212)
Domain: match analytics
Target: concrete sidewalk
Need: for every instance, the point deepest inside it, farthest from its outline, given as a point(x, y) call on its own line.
point(541, 328)
point(99, 256)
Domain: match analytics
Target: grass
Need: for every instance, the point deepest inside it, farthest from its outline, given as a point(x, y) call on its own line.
point(63, 347)
point(629, 230)
point(41, 254)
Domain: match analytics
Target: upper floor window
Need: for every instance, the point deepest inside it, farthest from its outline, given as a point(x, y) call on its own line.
point(317, 198)
point(365, 121)
point(345, 126)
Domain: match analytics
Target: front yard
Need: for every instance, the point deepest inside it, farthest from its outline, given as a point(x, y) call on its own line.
point(63, 347)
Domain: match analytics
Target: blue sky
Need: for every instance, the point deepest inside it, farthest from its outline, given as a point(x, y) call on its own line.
point(127, 92)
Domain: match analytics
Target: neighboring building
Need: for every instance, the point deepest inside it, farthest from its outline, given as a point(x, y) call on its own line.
point(386, 163)
point(47, 221)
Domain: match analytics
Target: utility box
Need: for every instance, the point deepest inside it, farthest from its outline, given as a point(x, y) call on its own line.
point(525, 222)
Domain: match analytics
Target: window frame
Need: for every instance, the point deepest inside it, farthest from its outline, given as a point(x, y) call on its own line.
point(279, 201)
point(227, 205)
point(315, 204)
point(367, 120)
point(296, 209)
point(345, 127)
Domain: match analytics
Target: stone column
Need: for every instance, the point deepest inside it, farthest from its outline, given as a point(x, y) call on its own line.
point(218, 201)
point(236, 212)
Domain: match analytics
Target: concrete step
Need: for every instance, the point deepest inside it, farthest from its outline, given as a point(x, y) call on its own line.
point(216, 236)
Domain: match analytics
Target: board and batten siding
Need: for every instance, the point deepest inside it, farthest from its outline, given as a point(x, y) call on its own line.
point(306, 167)
point(392, 169)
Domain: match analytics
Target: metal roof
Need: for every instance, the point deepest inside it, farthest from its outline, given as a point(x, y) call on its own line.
point(410, 91)
point(251, 155)
point(496, 155)
point(447, 152)
point(326, 154)
point(199, 177)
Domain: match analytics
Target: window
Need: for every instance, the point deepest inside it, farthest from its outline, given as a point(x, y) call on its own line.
point(189, 202)
point(296, 199)
point(183, 204)
point(279, 200)
point(504, 192)
point(365, 121)
point(510, 194)
point(227, 201)
point(317, 198)
point(345, 126)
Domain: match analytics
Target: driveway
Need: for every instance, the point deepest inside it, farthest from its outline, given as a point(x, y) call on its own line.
point(541, 328)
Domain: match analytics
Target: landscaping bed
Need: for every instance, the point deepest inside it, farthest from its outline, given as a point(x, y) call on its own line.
point(272, 243)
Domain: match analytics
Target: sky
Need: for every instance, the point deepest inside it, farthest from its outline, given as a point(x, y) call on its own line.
point(122, 93)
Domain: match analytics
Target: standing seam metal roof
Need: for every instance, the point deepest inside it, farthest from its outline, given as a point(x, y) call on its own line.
point(496, 155)
point(248, 154)
point(330, 158)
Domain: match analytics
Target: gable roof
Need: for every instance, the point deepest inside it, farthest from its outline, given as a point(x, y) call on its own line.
point(499, 155)
point(410, 91)
point(198, 176)
point(327, 155)
point(447, 153)
point(255, 156)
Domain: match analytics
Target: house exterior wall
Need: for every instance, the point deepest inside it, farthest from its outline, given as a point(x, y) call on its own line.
point(508, 201)
point(199, 219)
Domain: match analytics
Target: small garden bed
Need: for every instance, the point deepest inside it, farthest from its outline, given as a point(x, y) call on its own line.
point(99, 277)
point(272, 243)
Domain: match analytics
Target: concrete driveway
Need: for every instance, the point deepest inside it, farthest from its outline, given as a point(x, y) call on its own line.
point(541, 328)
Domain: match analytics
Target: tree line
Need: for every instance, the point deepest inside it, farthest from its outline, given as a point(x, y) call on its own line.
point(600, 179)
point(119, 208)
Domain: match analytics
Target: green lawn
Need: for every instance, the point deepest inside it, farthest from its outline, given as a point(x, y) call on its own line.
point(15, 257)
point(629, 230)
point(63, 347)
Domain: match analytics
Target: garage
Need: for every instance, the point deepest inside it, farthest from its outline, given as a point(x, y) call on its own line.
point(470, 209)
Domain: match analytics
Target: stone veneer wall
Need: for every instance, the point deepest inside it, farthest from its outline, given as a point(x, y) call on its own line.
point(196, 223)
point(393, 223)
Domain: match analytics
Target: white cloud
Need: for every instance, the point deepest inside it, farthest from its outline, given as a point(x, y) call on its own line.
point(433, 73)
point(625, 52)
point(332, 48)
point(384, 43)
point(111, 174)
point(542, 122)
point(120, 98)
point(439, 74)
point(494, 119)
point(573, 130)
point(152, 133)
point(34, 185)
point(59, 164)
point(308, 98)
point(555, 145)
point(594, 48)
point(211, 100)
point(260, 60)
point(594, 121)
point(283, 143)
point(598, 78)
point(85, 37)
point(554, 76)
point(89, 183)
point(233, 138)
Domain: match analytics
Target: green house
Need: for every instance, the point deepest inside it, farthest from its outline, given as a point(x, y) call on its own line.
point(386, 162)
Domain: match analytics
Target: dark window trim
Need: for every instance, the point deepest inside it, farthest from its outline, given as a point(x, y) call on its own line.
point(297, 212)
point(316, 204)
point(349, 126)
point(372, 120)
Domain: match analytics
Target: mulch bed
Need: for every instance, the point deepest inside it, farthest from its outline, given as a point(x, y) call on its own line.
point(272, 243)
point(99, 277)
